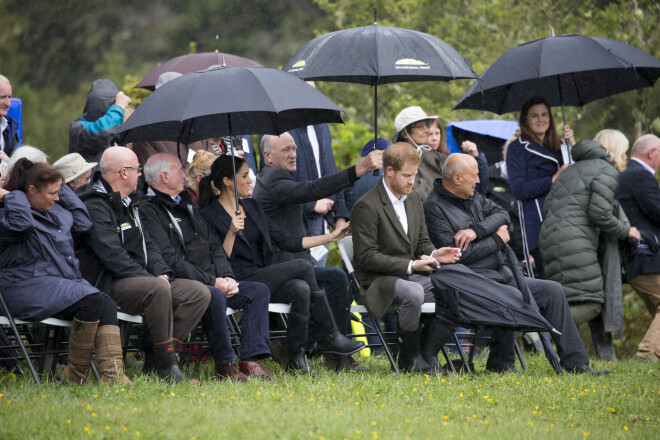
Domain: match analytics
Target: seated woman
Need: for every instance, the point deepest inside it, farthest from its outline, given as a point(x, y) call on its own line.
point(198, 168)
point(248, 240)
point(39, 274)
point(578, 208)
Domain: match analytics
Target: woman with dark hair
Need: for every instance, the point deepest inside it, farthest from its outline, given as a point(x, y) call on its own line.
point(39, 273)
point(249, 239)
point(534, 161)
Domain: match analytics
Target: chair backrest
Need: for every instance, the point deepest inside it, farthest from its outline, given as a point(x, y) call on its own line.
point(345, 246)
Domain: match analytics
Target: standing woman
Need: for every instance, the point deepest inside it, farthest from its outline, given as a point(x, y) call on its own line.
point(534, 161)
point(249, 241)
point(39, 274)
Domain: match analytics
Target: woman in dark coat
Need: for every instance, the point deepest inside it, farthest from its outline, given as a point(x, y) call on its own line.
point(248, 240)
point(39, 274)
point(534, 161)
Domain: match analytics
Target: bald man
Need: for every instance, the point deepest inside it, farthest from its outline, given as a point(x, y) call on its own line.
point(639, 195)
point(121, 259)
point(456, 215)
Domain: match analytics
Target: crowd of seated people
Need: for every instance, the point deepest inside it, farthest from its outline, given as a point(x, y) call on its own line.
point(179, 244)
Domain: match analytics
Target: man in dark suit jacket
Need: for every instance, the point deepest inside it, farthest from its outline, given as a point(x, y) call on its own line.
point(457, 214)
point(282, 200)
point(639, 195)
point(394, 255)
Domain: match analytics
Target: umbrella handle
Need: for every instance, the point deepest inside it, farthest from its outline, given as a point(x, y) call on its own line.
point(376, 172)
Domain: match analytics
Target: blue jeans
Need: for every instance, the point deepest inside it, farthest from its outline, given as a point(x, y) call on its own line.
point(253, 299)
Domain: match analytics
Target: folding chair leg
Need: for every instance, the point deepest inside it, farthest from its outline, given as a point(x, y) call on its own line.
point(388, 352)
point(461, 353)
point(516, 348)
point(448, 359)
point(17, 335)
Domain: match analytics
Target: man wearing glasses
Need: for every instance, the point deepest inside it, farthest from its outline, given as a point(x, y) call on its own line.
point(121, 259)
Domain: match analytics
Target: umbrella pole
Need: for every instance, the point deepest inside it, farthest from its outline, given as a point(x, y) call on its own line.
point(563, 116)
point(233, 166)
point(376, 172)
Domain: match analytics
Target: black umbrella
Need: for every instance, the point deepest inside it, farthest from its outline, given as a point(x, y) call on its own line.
point(565, 70)
point(468, 298)
point(376, 55)
point(225, 101)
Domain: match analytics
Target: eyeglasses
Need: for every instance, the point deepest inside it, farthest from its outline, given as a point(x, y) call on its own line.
point(423, 124)
point(138, 169)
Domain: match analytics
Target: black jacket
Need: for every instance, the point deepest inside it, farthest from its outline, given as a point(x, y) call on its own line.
point(118, 245)
point(446, 214)
point(184, 239)
point(242, 257)
point(639, 195)
point(282, 199)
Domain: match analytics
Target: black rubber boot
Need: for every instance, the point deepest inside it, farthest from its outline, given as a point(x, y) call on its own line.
point(332, 340)
point(165, 362)
point(602, 340)
point(296, 339)
point(410, 359)
point(434, 336)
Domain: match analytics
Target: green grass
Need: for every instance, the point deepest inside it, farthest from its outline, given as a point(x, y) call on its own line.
point(377, 405)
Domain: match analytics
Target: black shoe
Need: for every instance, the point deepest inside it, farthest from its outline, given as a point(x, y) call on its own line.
point(434, 335)
point(298, 363)
point(332, 340)
point(166, 366)
point(410, 359)
point(586, 369)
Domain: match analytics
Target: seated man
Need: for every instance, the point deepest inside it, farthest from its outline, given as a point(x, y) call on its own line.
point(194, 253)
point(120, 258)
point(393, 256)
point(283, 199)
point(457, 215)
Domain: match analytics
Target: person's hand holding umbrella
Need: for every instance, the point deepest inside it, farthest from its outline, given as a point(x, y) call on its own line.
point(568, 135)
point(371, 162)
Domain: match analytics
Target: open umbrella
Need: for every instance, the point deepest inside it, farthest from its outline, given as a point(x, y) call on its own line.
point(565, 70)
point(192, 63)
point(225, 101)
point(376, 55)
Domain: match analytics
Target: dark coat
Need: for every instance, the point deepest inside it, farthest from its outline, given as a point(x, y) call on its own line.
point(446, 214)
point(282, 200)
point(243, 259)
point(11, 136)
point(577, 209)
point(531, 167)
point(99, 108)
point(117, 246)
point(382, 250)
point(639, 196)
point(306, 171)
point(39, 273)
point(184, 239)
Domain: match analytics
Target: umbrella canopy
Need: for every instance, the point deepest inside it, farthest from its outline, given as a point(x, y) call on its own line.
point(565, 70)
point(192, 63)
point(378, 54)
point(228, 100)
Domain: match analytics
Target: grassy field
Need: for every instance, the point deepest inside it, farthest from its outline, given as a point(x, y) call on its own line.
point(377, 405)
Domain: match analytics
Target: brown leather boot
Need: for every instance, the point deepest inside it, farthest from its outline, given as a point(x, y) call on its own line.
point(81, 346)
point(229, 371)
point(109, 355)
point(254, 369)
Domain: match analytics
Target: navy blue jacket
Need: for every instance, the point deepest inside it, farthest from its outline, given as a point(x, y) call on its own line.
point(242, 256)
point(39, 272)
point(531, 167)
point(11, 136)
point(639, 196)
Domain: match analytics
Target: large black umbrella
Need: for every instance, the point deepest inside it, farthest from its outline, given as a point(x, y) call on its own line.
point(468, 298)
point(565, 70)
point(225, 101)
point(376, 55)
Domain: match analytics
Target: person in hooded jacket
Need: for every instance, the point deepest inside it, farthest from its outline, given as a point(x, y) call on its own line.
point(96, 129)
point(121, 258)
point(194, 253)
point(39, 272)
point(578, 208)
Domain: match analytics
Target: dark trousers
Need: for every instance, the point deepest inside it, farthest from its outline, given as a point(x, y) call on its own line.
point(335, 283)
point(252, 299)
point(169, 309)
point(552, 304)
point(91, 308)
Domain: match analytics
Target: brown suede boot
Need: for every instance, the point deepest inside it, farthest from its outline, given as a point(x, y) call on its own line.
point(229, 371)
point(81, 346)
point(109, 355)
